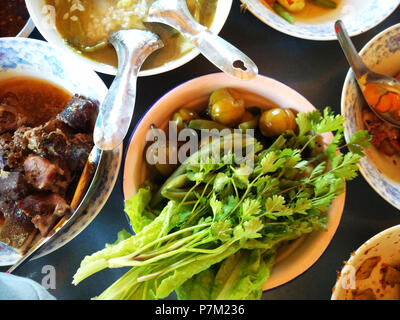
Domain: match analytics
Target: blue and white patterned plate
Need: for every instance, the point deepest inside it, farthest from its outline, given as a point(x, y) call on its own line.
point(358, 15)
point(381, 54)
point(38, 59)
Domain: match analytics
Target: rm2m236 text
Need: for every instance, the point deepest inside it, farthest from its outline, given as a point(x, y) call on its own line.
point(202, 309)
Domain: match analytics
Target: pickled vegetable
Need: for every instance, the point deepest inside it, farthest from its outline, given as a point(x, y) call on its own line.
point(183, 116)
point(276, 121)
point(225, 109)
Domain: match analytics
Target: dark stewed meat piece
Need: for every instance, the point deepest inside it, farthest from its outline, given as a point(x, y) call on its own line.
point(78, 150)
point(80, 114)
point(12, 185)
point(45, 175)
point(45, 209)
point(11, 113)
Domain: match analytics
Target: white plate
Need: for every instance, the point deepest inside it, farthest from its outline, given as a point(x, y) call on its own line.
point(292, 261)
point(358, 16)
point(38, 59)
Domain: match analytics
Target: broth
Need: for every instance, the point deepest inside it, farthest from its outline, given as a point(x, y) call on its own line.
point(39, 99)
point(86, 25)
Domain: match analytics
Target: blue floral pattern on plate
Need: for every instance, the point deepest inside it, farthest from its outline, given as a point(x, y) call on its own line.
point(381, 54)
point(358, 16)
point(33, 58)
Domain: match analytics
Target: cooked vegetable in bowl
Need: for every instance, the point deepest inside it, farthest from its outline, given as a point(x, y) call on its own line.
point(316, 22)
point(218, 222)
point(289, 9)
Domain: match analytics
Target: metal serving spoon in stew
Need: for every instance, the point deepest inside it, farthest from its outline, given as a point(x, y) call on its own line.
point(115, 114)
point(221, 53)
point(381, 92)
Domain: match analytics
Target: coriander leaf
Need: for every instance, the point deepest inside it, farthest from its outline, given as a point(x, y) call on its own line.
point(220, 182)
point(222, 230)
point(328, 123)
point(359, 141)
point(275, 207)
point(216, 205)
point(250, 208)
point(252, 227)
point(271, 162)
point(349, 166)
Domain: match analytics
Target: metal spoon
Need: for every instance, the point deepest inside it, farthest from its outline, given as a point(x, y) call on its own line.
point(221, 53)
point(364, 75)
point(115, 115)
point(85, 189)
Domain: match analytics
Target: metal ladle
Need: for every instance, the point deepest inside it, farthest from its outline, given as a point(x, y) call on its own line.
point(364, 75)
point(221, 53)
point(115, 114)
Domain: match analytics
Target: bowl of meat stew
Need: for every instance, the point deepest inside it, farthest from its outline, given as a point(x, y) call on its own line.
point(380, 166)
point(47, 112)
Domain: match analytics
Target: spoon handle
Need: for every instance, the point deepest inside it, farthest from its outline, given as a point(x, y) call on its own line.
point(352, 56)
point(115, 114)
point(218, 51)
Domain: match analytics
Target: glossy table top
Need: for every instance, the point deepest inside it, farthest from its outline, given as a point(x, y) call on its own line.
point(317, 71)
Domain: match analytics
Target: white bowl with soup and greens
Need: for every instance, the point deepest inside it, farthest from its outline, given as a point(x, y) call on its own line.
point(82, 27)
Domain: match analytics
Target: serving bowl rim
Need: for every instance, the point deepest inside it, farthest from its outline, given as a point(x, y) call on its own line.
point(46, 32)
point(336, 209)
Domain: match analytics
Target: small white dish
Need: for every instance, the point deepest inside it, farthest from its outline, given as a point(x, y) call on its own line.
point(303, 253)
point(21, 57)
point(382, 55)
point(358, 16)
point(386, 247)
point(51, 34)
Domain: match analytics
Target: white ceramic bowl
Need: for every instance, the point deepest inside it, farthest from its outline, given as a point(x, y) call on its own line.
point(381, 54)
point(292, 261)
point(385, 245)
point(51, 35)
point(27, 29)
point(358, 16)
point(38, 59)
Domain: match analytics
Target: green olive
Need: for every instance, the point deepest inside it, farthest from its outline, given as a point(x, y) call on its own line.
point(227, 112)
point(183, 116)
point(276, 121)
point(225, 109)
point(220, 94)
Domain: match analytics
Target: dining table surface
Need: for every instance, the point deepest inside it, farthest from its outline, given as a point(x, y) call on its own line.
point(317, 70)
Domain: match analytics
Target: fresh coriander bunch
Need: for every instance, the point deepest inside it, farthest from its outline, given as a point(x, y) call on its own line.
point(213, 229)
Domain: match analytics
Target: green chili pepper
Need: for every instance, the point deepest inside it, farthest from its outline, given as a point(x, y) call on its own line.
point(283, 13)
point(251, 124)
point(200, 124)
point(325, 3)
